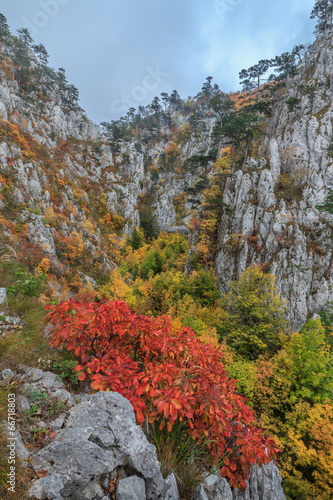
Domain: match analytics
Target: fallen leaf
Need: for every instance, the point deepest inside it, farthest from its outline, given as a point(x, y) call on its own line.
point(42, 473)
point(112, 486)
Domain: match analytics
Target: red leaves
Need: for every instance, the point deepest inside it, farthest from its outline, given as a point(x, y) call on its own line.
point(165, 375)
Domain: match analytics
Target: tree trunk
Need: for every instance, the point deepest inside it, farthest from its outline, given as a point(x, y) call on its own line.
point(258, 97)
point(245, 155)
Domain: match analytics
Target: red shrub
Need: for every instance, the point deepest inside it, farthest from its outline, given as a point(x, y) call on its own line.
point(166, 376)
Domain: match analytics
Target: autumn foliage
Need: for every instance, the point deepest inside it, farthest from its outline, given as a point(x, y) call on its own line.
point(167, 376)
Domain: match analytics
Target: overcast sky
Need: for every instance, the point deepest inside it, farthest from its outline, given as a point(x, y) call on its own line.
point(121, 53)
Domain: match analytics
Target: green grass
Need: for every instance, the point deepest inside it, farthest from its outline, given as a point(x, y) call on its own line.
point(178, 453)
point(23, 473)
point(27, 345)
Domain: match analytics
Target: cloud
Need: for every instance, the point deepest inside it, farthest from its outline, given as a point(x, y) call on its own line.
point(106, 46)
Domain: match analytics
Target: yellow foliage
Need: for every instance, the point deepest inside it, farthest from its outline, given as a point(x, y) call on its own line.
point(88, 226)
point(74, 246)
point(172, 151)
point(223, 165)
point(43, 266)
point(308, 448)
point(117, 289)
point(210, 336)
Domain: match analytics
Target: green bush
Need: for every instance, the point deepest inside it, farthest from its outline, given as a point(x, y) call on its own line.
point(66, 370)
point(26, 284)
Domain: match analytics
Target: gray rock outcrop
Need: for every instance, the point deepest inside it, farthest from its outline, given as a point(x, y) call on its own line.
point(291, 233)
point(264, 484)
point(99, 436)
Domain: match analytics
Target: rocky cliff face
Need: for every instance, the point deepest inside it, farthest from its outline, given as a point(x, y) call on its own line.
point(274, 198)
point(61, 186)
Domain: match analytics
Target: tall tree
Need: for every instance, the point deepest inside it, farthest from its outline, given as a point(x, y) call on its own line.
point(257, 314)
point(72, 96)
point(175, 100)
point(62, 80)
point(22, 63)
point(322, 11)
point(4, 28)
point(299, 51)
point(115, 133)
point(157, 110)
point(41, 53)
point(130, 115)
point(285, 65)
point(25, 37)
point(222, 105)
point(240, 129)
point(254, 77)
point(194, 121)
point(165, 99)
point(207, 88)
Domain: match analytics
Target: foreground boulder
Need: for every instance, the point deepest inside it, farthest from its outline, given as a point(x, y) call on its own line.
point(98, 442)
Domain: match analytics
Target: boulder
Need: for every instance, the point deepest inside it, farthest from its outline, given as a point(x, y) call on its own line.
point(99, 436)
point(7, 374)
point(171, 488)
point(2, 295)
point(264, 484)
point(131, 488)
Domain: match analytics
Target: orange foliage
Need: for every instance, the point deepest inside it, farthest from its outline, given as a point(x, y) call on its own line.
point(11, 132)
point(172, 151)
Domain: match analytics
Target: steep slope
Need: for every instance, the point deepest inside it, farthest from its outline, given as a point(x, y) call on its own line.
point(274, 197)
point(65, 192)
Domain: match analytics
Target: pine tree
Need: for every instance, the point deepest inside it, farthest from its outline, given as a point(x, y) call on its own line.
point(157, 110)
point(114, 132)
point(61, 79)
point(165, 99)
point(257, 314)
point(299, 51)
point(130, 115)
point(41, 53)
point(323, 12)
point(72, 97)
point(240, 128)
point(175, 100)
point(285, 65)
point(4, 28)
point(137, 239)
point(253, 77)
point(207, 88)
point(22, 63)
point(222, 105)
point(25, 37)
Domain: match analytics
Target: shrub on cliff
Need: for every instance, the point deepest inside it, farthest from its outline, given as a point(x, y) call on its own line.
point(167, 376)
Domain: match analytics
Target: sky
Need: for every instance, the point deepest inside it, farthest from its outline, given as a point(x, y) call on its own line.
point(122, 53)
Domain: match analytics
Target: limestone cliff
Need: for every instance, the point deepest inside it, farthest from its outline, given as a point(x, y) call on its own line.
point(274, 197)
